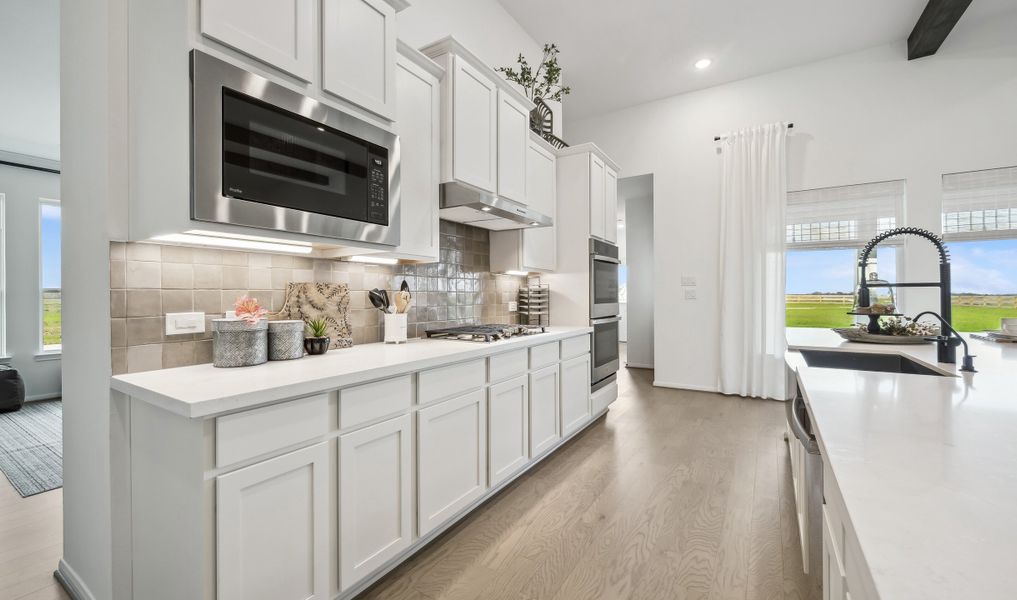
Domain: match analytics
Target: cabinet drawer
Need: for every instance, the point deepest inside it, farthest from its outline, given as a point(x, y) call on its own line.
point(363, 403)
point(543, 355)
point(575, 346)
point(508, 365)
point(254, 432)
point(453, 380)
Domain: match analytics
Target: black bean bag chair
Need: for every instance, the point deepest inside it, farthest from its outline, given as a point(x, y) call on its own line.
point(12, 389)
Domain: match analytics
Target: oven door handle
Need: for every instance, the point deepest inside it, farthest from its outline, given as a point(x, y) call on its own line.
point(794, 421)
point(602, 258)
point(604, 320)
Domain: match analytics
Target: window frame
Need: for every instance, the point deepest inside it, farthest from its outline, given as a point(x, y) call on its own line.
point(54, 349)
point(3, 277)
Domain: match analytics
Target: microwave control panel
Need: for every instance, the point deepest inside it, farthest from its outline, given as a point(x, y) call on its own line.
point(377, 189)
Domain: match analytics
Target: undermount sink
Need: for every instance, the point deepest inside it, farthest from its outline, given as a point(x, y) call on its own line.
point(864, 361)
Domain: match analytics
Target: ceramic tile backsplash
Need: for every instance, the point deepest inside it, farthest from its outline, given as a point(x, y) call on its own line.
point(150, 280)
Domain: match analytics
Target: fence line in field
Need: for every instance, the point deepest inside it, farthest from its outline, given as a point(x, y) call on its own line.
point(958, 300)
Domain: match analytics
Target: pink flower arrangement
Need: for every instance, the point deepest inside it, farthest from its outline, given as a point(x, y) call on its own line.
point(249, 310)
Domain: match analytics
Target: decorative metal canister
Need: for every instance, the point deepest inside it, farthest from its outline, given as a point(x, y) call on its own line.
point(285, 340)
point(237, 343)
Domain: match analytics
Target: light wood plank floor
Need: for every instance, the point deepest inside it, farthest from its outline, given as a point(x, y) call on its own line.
point(673, 495)
point(31, 544)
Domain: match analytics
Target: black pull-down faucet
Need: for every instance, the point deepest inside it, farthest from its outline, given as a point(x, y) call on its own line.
point(947, 342)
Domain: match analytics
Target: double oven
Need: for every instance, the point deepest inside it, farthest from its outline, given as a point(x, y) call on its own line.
point(605, 313)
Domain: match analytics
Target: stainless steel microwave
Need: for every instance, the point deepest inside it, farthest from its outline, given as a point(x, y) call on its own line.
point(265, 156)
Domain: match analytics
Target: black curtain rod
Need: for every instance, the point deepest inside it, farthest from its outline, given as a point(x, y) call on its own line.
point(32, 167)
point(720, 137)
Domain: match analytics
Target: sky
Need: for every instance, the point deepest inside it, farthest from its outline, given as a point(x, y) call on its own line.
point(50, 245)
point(985, 267)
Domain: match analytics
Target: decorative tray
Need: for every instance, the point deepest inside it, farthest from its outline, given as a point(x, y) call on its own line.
point(853, 334)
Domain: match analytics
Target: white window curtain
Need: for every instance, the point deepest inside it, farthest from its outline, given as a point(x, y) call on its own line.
point(979, 205)
point(752, 232)
point(845, 216)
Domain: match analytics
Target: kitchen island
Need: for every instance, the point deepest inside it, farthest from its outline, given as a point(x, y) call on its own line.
point(312, 478)
point(920, 471)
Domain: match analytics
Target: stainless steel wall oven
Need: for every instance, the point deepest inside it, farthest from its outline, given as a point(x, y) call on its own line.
point(604, 311)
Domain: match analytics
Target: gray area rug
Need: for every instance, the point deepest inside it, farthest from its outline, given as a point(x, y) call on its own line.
point(31, 447)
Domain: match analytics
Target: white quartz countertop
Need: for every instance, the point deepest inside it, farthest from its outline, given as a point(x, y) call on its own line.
point(204, 391)
point(927, 465)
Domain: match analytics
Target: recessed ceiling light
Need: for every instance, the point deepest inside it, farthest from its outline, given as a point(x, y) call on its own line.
point(486, 209)
point(702, 63)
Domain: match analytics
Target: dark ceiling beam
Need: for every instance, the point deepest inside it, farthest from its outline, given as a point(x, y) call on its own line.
point(934, 25)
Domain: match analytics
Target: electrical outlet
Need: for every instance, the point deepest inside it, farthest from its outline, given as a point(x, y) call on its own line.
point(184, 323)
point(688, 280)
point(690, 294)
point(513, 306)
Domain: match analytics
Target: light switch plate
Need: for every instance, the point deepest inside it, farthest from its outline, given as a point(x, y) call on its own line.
point(688, 280)
point(184, 323)
point(690, 294)
point(513, 306)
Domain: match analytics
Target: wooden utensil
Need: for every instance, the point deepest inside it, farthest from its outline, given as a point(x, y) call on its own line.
point(402, 301)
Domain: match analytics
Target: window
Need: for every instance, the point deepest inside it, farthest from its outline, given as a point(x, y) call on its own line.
point(825, 229)
point(980, 226)
point(49, 274)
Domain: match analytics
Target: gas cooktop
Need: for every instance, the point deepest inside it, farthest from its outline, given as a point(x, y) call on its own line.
point(484, 333)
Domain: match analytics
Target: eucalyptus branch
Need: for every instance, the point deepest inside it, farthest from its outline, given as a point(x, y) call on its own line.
point(545, 82)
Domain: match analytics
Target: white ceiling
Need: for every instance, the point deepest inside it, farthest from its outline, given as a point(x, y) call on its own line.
point(621, 53)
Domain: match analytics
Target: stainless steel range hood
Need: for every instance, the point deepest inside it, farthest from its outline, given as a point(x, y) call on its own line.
point(464, 203)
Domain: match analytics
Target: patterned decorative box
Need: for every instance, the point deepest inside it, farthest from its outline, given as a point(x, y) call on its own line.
point(285, 340)
point(237, 343)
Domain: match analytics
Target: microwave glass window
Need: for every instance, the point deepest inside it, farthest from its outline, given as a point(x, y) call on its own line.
point(280, 158)
point(605, 282)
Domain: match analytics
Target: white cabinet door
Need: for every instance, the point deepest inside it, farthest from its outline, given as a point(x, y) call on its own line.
point(278, 32)
point(539, 253)
point(451, 458)
point(598, 200)
point(834, 587)
point(610, 205)
point(474, 126)
point(358, 53)
point(575, 393)
point(272, 528)
point(513, 141)
point(544, 423)
point(507, 431)
point(417, 122)
point(375, 497)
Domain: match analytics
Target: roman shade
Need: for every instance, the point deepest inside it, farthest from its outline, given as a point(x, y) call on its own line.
point(844, 216)
point(980, 204)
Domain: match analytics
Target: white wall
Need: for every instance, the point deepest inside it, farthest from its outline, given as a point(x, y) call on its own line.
point(30, 77)
point(22, 189)
point(866, 116)
point(638, 194)
point(483, 26)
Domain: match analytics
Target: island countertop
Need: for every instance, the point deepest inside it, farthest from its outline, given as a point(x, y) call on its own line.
point(927, 465)
point(202, 390)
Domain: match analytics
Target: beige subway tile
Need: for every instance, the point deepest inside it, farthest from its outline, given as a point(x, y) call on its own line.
point(207, 256)
point(117, 251)
point(303, 275)
point(278, 299)
point(281, 261)
point(341, 277)
point(208, 302)
point(178, 354)
point(177, 301)
point(229, 299)
point(144, 358)
point(143, 252)
point(117, 303)
point(119, 359)
point(143, 274)
point(144, 330)
point(177, 276)
point(302, 262)
point(177, 254)
point(208, 277)
point(235, 259)
point(259, 278)
point(144, 303)
point(280, 277)
point(236, 277)
point(118, 333)
point(117, 274)
point(202, 352)
point(258, 259)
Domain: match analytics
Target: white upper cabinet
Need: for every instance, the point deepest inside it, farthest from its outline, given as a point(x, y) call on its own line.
point(598, 199)
point(610, 205)
point(358, 53)
point(474, 126)
point(513, 141)
point(277, 32)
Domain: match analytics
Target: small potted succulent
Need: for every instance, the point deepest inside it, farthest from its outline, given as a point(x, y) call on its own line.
point(317, 341)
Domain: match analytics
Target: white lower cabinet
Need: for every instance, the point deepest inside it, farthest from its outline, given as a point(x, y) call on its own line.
point(451, 458)
point(375, 497)
point(544, 410)
point(507, 430)
point(834, 587)
point(272, 528)
point(575, 393)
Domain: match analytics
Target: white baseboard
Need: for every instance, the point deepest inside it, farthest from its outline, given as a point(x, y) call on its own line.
point(71, 583)
point(43, 397)
point(684, 386)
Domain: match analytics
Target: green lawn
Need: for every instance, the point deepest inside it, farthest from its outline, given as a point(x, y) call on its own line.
point(820, 314)
point(51, 318)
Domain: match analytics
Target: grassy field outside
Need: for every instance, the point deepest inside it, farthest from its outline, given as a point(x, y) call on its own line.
point(51, 318)
point(825, 314)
